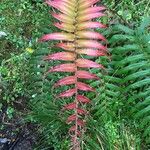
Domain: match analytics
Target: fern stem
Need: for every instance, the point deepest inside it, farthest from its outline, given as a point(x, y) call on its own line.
point(76, 145)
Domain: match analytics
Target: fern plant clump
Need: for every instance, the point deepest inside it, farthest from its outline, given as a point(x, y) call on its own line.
point(77, 41)
point(134, 66)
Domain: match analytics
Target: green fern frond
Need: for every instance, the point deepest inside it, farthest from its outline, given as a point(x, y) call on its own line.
point(134, 68)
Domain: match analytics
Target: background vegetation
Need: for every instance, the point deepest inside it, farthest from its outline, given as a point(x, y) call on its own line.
point(120, 114)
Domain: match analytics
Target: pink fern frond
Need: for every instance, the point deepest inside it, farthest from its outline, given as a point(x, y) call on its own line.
point(76, 21)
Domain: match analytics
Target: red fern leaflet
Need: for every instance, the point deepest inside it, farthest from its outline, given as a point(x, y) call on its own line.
point(75, 20)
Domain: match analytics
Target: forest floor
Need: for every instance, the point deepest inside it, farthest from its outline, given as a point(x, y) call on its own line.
point(15, 134)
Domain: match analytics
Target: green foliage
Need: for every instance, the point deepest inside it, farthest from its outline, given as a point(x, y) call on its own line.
point(53, 128)
point(12, 81)
point(133, 51)
point(19, 30)
point(128, 10)
point(21, 21)
point(45, 110)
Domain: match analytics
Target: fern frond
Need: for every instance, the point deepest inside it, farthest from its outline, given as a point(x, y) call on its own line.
point(76, 38)
point(134, 67)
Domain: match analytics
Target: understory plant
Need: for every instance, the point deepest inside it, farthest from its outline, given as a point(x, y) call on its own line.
point(78, 45)
point(131, 59)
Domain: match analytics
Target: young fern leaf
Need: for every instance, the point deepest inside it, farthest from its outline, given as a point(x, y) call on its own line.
point(75, 21)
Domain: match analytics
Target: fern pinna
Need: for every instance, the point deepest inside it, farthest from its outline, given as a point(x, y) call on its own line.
point(76, 38)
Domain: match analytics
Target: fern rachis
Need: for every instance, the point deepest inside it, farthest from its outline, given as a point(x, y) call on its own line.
point(75, 20)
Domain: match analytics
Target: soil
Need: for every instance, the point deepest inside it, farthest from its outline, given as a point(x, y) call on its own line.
point(15, 134)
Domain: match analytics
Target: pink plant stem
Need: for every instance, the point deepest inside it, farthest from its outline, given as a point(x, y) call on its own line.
point(75, 142)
